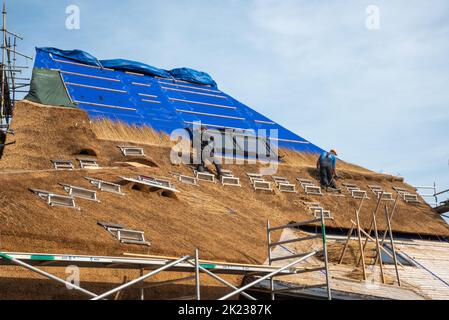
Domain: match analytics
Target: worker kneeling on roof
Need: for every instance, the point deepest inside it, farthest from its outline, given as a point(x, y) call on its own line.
point(207, 152)
point(326, 165)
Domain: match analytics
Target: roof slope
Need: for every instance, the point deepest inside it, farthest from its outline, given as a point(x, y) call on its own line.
point(165, 104)
point(225, 223)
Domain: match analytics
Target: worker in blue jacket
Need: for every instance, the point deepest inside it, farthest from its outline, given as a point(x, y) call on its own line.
point(327, 167)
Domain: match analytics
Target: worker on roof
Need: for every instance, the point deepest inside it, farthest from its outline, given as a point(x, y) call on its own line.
point(2, 141)
point(327, 165)
point(208, 151)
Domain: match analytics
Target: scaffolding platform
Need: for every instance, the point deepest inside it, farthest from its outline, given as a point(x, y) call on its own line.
point(138, 263)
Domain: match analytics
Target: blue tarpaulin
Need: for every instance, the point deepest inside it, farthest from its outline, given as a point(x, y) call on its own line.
point(194, 76)
point(165, 104)
point(133, 66)
point(77, 55)
point(185, 74)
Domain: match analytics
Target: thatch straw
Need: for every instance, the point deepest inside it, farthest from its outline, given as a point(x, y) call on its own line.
point(106, 129)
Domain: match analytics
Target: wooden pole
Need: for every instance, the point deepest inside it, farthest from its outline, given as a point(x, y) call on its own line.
point(379, 253)
point(373, 240)
point(392, 246)
point(326, 260)
point(349, 235)
point(390, 218)
point(346, 245)
point(360, 243)
point(371, 226)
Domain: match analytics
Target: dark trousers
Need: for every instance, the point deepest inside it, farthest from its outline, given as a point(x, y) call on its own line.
point(202, 166)
point(327, 177)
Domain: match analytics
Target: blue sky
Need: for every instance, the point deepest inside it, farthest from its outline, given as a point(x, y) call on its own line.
point(380, 97)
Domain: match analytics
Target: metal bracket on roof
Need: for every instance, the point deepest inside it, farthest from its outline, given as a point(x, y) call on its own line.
point(149, 183)
point(188, 180)
point(376, 189)
point(106, 186)
point(129, 236)
point(406, 195)
point(163, 182)
point(303, 182)
point(312, 190)
point(88, 163)
point(227, 173)
point(326, 213)
point(262, 185)
point(287, 187)
point(350, 185)
point(55, 200)
point(284, 185)
point(107, 225)
point(230, 181)
point(123, 235)
point(359, 194)
point(185, 179)
point(278, 180)
point(316, 209)
point(410, 198)
point(254, 175)
point(387, 196)
point(63, 164)
point(132, 151)
point(204, 176)
point(380, 192)
point(82, 193)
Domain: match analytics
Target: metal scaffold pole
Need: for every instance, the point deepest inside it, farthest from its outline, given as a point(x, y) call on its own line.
point(3, 62)
point(9, 71)
point(197, 275)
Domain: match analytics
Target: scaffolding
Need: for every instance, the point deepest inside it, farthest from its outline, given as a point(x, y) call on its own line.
point(300, 257)
point(12, 82)
point(149, 266)
point(363, 237)
point(434, 194)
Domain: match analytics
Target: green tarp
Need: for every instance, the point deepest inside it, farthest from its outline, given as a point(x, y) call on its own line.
point(47, 88)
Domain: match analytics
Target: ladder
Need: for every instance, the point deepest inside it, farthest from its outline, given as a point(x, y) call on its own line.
point(323, 269)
